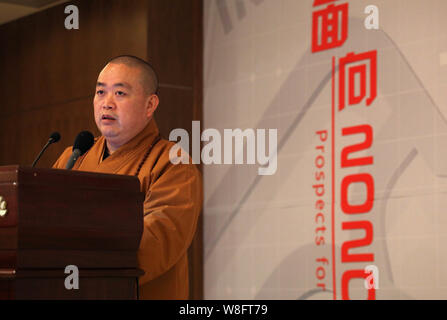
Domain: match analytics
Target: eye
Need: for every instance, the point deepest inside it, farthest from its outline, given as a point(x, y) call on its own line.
point(120, 93)
point(100, 92)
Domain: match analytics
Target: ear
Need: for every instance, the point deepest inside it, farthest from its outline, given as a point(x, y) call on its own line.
point(152, 104)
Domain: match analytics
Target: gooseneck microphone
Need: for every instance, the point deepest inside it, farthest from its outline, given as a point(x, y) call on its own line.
point(83, 142)
point(55, 137)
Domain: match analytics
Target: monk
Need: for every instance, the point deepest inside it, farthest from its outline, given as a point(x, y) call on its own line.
point(124, 104)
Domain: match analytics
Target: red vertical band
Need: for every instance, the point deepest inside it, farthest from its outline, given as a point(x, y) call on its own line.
point(333, 179)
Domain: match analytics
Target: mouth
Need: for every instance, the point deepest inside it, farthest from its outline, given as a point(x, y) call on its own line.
point(107, 117)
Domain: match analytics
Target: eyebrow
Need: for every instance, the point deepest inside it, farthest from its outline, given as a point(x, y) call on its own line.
point(119, 84)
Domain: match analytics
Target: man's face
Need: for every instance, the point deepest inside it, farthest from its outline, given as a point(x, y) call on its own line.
point(120, 104)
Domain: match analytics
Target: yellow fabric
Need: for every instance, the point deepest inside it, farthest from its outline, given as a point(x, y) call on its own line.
point(172, 205)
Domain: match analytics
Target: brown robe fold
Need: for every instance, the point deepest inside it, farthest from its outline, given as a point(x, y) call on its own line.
point(172, 205)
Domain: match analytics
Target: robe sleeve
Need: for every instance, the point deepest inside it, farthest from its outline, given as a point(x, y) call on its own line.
point(172, 206)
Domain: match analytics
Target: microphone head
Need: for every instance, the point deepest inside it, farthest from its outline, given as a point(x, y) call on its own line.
point(55, 137)
point(84, 141)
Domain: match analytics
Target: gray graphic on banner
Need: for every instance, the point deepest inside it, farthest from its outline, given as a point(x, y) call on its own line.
point(224, 14)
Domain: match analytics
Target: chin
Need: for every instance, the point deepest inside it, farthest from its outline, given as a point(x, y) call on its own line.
point(109, 134)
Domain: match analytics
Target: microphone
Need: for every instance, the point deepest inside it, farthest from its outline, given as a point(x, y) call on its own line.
point(55, 137)
point(83, 142)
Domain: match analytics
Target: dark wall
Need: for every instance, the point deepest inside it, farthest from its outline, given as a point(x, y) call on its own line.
point(48, 75)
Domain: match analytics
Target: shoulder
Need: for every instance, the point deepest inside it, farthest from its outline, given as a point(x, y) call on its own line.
point(161, 158)
point(160, 151)
point(63, 158)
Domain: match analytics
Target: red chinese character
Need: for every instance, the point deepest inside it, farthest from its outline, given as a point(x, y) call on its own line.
point(325, 31)
point(320, 2)
point(358, 69)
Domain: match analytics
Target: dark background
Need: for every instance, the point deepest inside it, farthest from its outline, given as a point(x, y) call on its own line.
point(48, 76)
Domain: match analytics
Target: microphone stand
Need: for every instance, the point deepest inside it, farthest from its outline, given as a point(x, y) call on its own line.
point(50, 141)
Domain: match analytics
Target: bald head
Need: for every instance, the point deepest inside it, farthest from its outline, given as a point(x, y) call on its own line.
point(148, 77)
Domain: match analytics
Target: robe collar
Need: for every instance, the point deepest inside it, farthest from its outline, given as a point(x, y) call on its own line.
point(130, 151)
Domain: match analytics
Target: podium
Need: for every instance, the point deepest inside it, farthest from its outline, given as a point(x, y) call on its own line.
point(53, 218)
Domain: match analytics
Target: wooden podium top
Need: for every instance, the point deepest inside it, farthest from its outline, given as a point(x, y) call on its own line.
point(56, 218)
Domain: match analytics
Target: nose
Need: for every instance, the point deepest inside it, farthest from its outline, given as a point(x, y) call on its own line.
point(109, 102)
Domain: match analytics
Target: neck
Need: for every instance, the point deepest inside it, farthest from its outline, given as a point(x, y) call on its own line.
point(110, 148)
point(149, 129)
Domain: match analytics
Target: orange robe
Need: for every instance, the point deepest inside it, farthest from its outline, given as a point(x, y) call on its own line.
point(173, 200)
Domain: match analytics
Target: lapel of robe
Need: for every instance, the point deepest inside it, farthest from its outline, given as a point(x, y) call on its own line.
point(124, 160)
